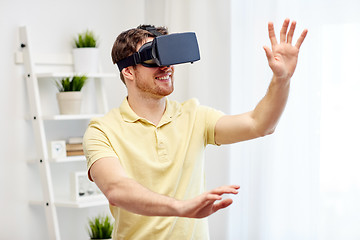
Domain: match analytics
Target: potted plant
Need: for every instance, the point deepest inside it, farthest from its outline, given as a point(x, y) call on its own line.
point(86, 53)
point(69, 96)
point(100, 227)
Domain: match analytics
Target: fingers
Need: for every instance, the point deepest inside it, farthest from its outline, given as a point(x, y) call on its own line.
point(272, 34)
point(230, 189)
point(284, 30)
point(291, 32)
point(208, 203)
point(215, 195)
point(301, 39)
point(285, 36)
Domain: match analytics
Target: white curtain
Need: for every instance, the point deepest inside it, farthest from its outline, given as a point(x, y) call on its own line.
point(339, 133)
point(303, 181)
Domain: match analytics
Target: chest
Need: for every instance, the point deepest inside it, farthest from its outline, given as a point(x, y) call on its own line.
point(154, 154)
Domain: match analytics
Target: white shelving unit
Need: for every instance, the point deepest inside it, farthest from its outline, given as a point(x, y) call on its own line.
point(69, 203)
point(49, 201)
point(71, 117)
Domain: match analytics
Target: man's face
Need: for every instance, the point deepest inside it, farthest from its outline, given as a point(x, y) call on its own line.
point(157, 81)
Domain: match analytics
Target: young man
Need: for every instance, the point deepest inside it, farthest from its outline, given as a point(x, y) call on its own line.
point(147, 155)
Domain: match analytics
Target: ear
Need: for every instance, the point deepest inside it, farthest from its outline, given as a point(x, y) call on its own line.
point(128, 73)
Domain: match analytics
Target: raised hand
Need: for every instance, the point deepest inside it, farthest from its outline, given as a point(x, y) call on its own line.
point(282, 57)
point(205, 204)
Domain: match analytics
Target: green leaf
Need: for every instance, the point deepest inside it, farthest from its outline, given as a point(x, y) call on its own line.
point(76, 83)
point(100, 227)
point(86, 39)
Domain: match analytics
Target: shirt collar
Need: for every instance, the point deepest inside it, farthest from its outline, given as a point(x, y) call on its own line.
point(173, 109)
point(127, 113)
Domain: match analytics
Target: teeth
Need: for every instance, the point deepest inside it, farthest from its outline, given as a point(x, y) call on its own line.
point(163, 78)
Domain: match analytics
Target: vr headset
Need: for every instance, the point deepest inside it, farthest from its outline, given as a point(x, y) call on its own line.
point(165, 50)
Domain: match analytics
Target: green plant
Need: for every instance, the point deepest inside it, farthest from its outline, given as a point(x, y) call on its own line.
point(69, 84)
point(100, 227)
point(86, 39)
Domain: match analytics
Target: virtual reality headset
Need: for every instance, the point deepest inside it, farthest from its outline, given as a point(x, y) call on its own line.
point(165, 50)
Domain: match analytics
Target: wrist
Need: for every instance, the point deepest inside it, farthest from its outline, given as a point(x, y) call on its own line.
point(281, 81)
point(177, 208)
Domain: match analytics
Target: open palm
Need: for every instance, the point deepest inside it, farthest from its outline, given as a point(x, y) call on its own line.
point(282, 57)
point(208, 202)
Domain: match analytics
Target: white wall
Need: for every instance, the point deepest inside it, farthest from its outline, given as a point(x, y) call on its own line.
point(52, 26)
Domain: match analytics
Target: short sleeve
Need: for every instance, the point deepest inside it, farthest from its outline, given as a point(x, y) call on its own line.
point(96, 144)
point(211, 117)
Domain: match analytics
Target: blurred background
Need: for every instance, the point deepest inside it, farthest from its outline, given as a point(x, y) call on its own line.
point(302, 182)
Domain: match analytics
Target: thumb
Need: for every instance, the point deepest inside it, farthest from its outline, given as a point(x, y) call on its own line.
point(222, 204)
point(269, 54)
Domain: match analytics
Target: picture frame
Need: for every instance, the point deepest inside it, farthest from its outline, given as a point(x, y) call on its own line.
point(82, 189)
point(58, 149)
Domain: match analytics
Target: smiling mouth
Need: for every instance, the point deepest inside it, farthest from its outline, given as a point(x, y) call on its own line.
point(166, 77)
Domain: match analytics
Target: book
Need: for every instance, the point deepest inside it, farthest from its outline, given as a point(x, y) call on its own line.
point(74, 147)
point(74, 140)
point(75, 153)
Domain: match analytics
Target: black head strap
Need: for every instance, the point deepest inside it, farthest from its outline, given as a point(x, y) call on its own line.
point(136, 58)
point(151, 29)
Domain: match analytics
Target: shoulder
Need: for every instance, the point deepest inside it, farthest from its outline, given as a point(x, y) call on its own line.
point(106, 123)
point(193, 104)
point(192, 107)
point(109, 118)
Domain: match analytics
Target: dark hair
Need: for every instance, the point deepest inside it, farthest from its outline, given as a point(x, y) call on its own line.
point(126, 43)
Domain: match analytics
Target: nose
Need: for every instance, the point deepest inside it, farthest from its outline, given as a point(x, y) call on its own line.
point(165, 68)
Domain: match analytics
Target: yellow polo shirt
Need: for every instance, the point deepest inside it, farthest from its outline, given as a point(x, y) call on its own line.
point(167, 159)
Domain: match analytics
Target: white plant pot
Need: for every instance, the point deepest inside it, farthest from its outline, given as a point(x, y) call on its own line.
point(86, 60)
point(69, 102)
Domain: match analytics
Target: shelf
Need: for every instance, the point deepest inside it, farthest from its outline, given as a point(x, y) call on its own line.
point(71, 117)
point(98, 201)
point(71, 74)
point(69, 159)
point(62, 160)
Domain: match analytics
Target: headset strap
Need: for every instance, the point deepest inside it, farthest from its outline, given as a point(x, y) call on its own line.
point(152, 30)
point(134, 59)
point(138, 57)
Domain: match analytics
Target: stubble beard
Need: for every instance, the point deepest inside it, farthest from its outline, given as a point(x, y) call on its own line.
point(154, 88)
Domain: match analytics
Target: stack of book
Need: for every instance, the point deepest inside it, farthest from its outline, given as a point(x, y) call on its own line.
point(74, 147)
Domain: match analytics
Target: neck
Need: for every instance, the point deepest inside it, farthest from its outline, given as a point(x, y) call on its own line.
point(151, 109)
